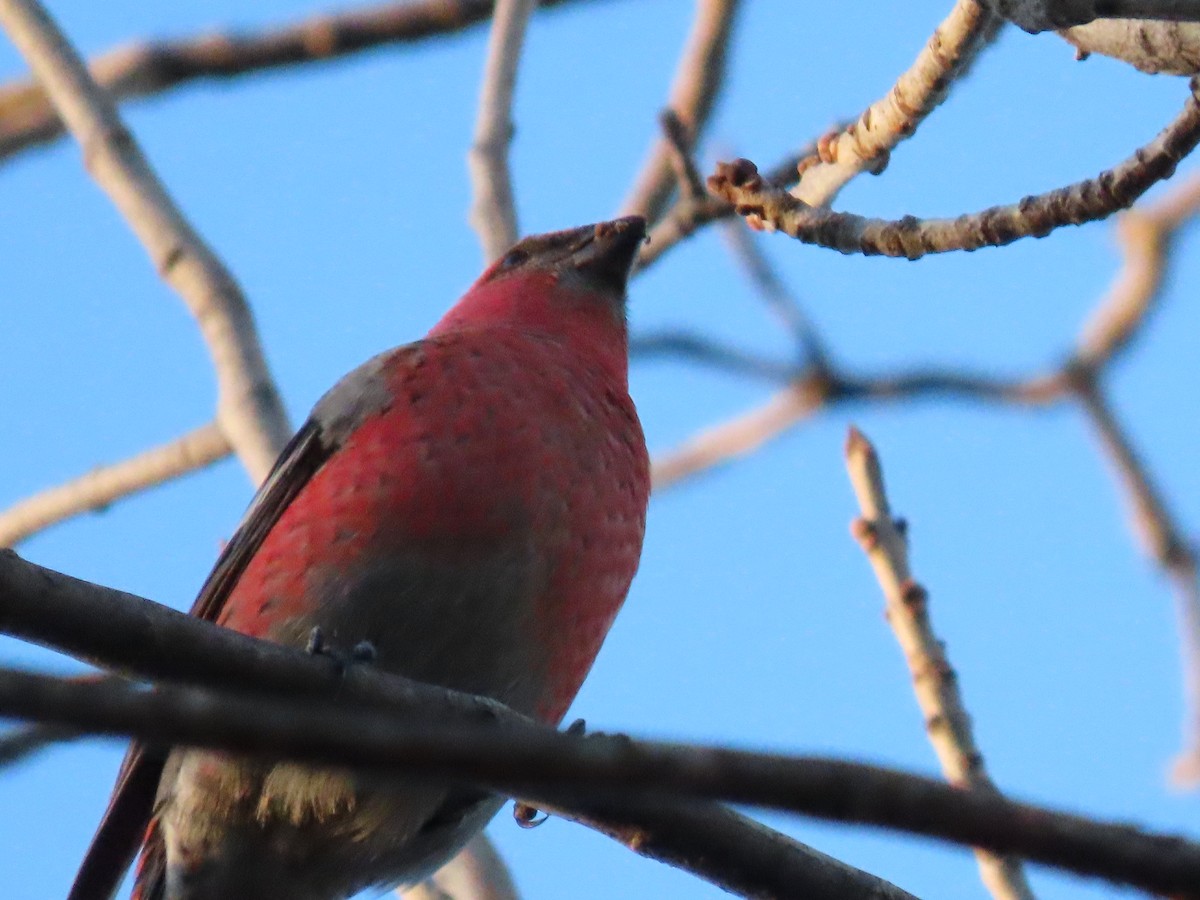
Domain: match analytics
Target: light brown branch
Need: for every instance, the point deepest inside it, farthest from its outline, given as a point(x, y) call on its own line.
point(100, 487)
point(1087, 201)
point(698, 78)
point(746, 432)
point(493, 209)
point(867, 143)
point(1154, 526)
point(934, 680)
point(249, 410)
point(1145, 235)
point(680, 143)
point(775, 293)
point(689, 214)
point(738, 436)
point(27, 118)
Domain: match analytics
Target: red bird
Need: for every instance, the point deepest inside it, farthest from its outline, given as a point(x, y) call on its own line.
point(473, 506)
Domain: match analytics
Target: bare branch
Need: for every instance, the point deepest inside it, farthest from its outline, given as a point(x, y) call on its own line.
point(738, 436)
point(680, 143)
point(249, 411)
point(1163, 541)
point(1145, 235)
point(698, 79)
point(727, 849)
point(127, 633)
point(779, 299)
point(867, 144)
point(493, 210)
point(531, 762)
point(934, 680)
point(27, 118)
point(100, 487)
point(702, 350)
point(1087, 201)
point(747, 432)
point(688, 214)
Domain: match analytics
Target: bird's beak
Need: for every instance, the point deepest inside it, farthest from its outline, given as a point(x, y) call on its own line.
point(608, 250)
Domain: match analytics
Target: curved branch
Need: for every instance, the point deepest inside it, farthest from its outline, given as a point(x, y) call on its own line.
point(772, 208)
point(249, 410)
point(867, 144)
point(28, 119)
point(101, 486)
point(534, 762)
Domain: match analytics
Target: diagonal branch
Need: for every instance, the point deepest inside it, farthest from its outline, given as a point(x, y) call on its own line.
point(1161, 538)
point(97, 489)
point(934, 680)
point(867, 144)
point(534, 763)
point(770, 207)
point(493, 211)
point(28, 118)
point(249, 411)
point(698, 79)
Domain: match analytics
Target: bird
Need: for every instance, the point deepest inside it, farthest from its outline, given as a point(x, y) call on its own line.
point(471, 508)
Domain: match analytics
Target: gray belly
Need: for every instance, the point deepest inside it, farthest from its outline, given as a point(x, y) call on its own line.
point(236, 828)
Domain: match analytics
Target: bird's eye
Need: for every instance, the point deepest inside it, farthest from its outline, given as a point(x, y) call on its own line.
point(513, 259)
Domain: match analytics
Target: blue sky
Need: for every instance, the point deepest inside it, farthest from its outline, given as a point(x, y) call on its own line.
point(338, 196)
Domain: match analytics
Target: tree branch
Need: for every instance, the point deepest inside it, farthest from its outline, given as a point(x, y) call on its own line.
point(534, 762)
point(100, 487)
point(772, 208)
point(866, 145)
point(28, 119)
point(935, 682)
point(145, 640)
point(249, 411)
point(493, 211)
point(698, 79)
point(1048, 15)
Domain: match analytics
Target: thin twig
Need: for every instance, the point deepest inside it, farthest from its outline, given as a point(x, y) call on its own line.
point(1163, 541)
point(775, 293)
point(493, 209)
point(1145, 235)
point(688, 215)
point(28, 119)
point(934, 680)
point(767, 206)
point(680, 143)
point(100, 487)
point(249, 411)
point(698, 79)
point(682, 344)
point(531, 762)
point(866, 145)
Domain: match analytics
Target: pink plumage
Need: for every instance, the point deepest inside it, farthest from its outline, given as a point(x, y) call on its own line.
point(472, 506)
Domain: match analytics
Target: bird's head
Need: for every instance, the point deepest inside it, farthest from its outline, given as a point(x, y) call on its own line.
point(565, 284)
